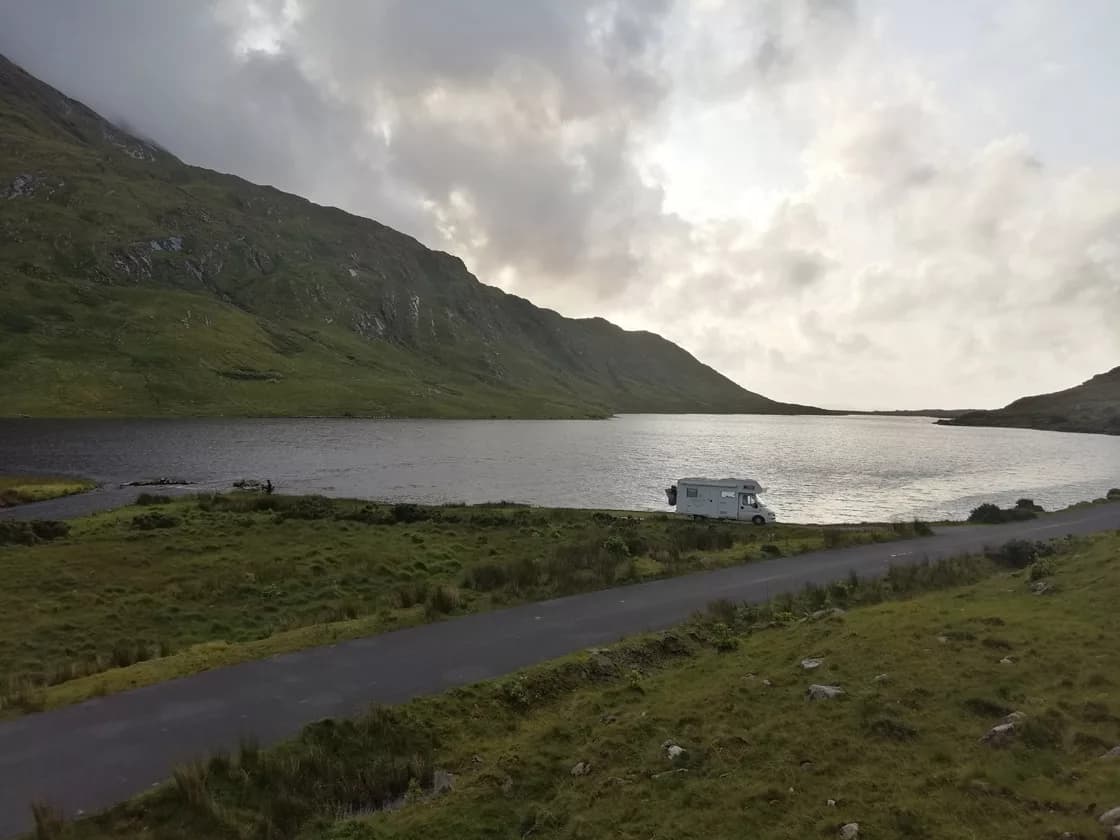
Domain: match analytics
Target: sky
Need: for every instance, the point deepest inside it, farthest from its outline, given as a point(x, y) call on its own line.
point(849, 204)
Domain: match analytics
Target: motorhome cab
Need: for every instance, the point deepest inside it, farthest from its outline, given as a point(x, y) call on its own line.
point(720, 498)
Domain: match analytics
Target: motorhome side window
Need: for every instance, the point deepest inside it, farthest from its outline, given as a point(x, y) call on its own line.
point(728, 494)
point(691, 492)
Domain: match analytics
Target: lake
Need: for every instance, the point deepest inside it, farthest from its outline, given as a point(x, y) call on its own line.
point(815, 469)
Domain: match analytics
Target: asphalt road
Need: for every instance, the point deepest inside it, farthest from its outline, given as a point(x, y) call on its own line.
point(89, 756)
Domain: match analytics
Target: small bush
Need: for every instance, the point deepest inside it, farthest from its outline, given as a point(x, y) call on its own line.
point(29, 533)
point(1113, 494)
point(153, 520)
point(403, 514)
point(443, 599)
point(487, 576)
point(49, 822)
point(411, 594)
point(990, 514)
point(1015, 554)
point(771, 550)
point(16, 533)
point(921, 528)
point(987, 514)
point(723, 610)
point(153, 499)
point(616, 546)
point(1042, 568)
point(49, 529)
point(723, 639)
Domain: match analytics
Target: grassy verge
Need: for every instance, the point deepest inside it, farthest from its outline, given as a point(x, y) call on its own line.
point(171, 587)
point(584, 747)
point(24, 489)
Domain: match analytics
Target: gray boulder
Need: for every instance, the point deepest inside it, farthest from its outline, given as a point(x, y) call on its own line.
point(823, 692)
point(581, 768)
point(849, 831)
point(811, 664)
point(1112, 755)
point(1110, 817)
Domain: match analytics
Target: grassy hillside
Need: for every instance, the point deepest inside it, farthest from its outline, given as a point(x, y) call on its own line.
point(1092, 406)
point(148, 593)
point(707, 732)
point(132, 284)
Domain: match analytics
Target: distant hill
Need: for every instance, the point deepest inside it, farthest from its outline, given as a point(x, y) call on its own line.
point(133, 284)
point(918, 412)
point(1092, 406)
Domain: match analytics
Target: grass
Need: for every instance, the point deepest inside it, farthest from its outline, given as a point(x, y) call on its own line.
point(24, 489)
point(902, 752)
point(176, 586)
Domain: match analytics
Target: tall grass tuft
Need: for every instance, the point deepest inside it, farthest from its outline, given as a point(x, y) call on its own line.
point(49, 822)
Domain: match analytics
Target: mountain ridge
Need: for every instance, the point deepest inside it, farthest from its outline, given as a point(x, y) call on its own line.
point(1093, 407)
point(136, 284)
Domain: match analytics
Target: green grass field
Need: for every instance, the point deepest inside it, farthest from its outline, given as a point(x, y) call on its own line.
point(23, 489)
point(148, 593)
point(579, 748)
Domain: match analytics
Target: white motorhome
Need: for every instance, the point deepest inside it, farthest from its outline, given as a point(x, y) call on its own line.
point(720, 498)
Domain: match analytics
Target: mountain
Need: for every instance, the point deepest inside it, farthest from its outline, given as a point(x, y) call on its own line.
point(1092, 406)
point(134, 284)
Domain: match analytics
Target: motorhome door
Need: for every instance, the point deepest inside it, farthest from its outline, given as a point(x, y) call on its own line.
point(748, 505)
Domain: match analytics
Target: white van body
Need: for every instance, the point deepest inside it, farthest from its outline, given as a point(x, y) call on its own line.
point(720, 498)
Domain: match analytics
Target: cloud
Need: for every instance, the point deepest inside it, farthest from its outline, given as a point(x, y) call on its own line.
point(798, 191)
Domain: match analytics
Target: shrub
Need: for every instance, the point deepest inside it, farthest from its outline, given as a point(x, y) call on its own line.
point(443, 599)
point(1015, 554)
point(406, 513)
point(487, 576)
point(616, 547)
point(49, 822)
point(153, 499)
point(990, 514)
point(922, 529)
point(1113, 494)
point(411, 594)
point(1042, 568)
point(772, 550)
point(987, 514)
point(723, 639)
point(29, 533)
point(49, 529)
point(153, 520)
point(723, 610)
